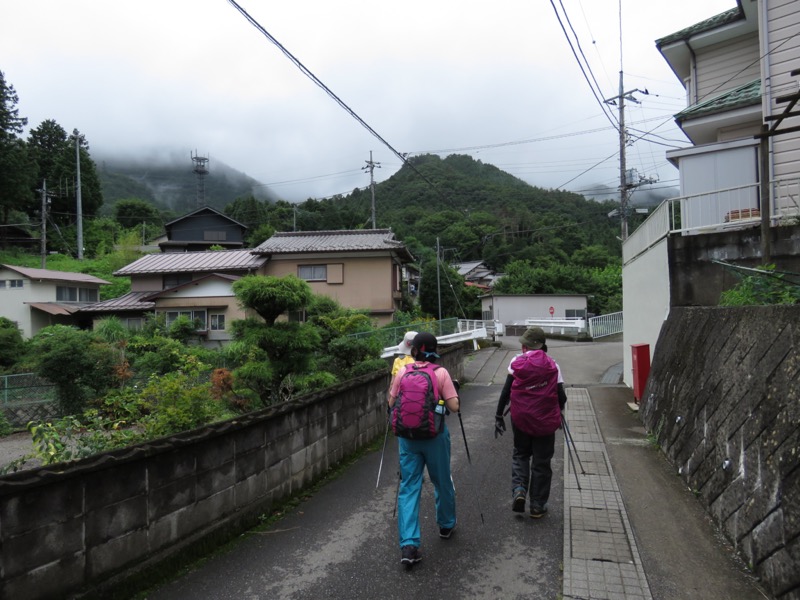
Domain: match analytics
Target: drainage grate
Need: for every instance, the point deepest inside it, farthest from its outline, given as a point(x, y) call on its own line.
point(599, 534)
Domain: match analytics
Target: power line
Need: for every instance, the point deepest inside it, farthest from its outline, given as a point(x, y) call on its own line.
point(328, 91)
point(580, 65)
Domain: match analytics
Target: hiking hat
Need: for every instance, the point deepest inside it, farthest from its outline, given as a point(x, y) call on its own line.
point(405, 345)
point(426, 344)
point(533, 338)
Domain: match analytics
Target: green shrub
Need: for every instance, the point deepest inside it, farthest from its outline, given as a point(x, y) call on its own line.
point(761, 289)
point(176, 403)
point(5, 426)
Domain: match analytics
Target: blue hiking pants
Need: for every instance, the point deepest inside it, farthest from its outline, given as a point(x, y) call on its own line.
point(415, 455)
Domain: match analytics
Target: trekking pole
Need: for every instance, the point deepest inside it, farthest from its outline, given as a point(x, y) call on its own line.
point(385, 439)
point(469, 460)
point(571, 439)
point(572, 461)
point(397, 493)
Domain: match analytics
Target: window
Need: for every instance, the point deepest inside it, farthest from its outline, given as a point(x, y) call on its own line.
point(134, 324)
point(174, 279)
point(66, 293)
point(217, 322)
point(198, 316)
point(87, 295)
point(313, 272)
point(15, 283)
point(214, 236)
point(2, 284)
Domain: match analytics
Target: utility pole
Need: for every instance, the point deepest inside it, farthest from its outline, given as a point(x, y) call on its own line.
point(438, 281)
point(78, 191)
point(626, 183)
point(44, 224)
point(371, 168)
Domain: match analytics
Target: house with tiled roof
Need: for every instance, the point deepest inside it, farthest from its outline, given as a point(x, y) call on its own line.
point(360, 269)
point(476, 273)
point(194, 284)
point(739, 177)
point(35, 298)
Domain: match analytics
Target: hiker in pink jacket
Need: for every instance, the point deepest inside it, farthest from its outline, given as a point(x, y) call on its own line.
point(536, 390)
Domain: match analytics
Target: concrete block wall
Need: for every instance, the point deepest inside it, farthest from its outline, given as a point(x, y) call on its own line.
point(723, 401)
point(88, 526)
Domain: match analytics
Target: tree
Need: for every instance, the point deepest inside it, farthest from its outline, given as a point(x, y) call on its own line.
point(16, 172)
point(133, 212)
point(11, 343)
point(81, 366)
point(272, 296)
point(283, 349)
point(54, 154)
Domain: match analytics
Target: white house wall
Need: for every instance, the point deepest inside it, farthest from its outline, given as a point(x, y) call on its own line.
point(720, 67)
point(12, 300)
point(783, 40)
point(515, 309)
point(645, 293)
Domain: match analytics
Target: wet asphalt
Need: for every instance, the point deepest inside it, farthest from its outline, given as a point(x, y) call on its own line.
point(341, 542)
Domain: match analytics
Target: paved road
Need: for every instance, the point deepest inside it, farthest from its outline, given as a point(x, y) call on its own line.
point(342, 541)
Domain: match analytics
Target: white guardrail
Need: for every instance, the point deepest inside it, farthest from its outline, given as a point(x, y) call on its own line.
point(559, 326)
point(453, 338)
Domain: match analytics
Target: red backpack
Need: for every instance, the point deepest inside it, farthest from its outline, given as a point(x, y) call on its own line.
point(534, 394)
point(415, 415)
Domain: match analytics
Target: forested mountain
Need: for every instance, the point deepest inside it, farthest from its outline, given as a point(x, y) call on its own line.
point(171, 185)
point(476, 211)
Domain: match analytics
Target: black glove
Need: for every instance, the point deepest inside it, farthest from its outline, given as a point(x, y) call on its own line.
point(499, 425)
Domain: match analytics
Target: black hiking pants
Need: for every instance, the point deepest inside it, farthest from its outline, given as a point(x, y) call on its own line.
point(530, 465)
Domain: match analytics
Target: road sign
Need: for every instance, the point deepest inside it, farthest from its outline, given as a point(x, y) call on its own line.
point(552, 311)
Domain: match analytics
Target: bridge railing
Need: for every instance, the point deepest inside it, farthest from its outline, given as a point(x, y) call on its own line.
point(604, 325)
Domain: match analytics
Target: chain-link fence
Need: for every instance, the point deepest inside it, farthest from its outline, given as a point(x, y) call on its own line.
point(27, 397)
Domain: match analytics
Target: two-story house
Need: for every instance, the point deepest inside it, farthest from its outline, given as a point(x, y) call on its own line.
point(739, 181)
point(359, 269)
point(192, 284)
point(201, 229)
point(36, 298)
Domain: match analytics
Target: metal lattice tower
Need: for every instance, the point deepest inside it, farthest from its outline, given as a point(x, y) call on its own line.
point(201, 170)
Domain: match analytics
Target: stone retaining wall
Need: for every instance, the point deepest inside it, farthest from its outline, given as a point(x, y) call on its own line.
point(723, 401)
point(92, 525)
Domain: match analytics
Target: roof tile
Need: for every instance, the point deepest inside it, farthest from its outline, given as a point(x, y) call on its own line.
point(194, 262)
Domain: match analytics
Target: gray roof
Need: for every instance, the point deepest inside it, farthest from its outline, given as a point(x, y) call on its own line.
point(132, 301)
point(208, 261)
point(206, 209)
point(48, 275)
point(725, 18)
point(332, 241)
point(748, 94)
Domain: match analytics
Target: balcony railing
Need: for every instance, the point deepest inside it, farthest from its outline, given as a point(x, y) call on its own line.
point(709, 212)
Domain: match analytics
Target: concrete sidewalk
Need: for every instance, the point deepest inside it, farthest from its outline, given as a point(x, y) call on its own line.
point(631, 529)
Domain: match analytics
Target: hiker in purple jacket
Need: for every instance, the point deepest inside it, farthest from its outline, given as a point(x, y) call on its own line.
point(536, 390)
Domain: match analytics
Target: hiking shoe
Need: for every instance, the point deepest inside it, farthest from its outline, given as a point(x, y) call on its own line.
point(519, 501)
point(537, 511)
point(446, 532)
point(410, 556)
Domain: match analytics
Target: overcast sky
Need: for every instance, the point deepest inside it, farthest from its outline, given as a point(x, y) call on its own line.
point(496, 80)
